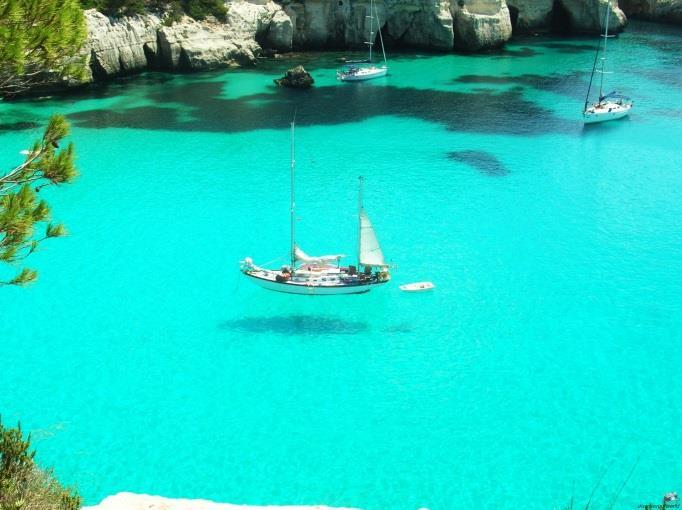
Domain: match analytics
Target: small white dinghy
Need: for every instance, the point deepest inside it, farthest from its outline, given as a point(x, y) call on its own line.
point(417, 287)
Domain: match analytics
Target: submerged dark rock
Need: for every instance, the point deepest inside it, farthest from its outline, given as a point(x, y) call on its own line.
point(482, 161)
point(296, 78)
point(296, 325)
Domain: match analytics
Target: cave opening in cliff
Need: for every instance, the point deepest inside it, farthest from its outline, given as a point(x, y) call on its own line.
point(560, 21)
point(261, 37)
point(391, 43)
point(514, 17)
point(376, 49)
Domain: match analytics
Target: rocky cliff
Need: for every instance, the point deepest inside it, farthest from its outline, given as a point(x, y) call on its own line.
point(119, 46)
point(481, 24)
point(666, 11)
point(124, 45)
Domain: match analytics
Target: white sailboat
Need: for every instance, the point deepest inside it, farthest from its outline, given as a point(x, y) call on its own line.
point(610, 106)
point(366, 70)
point(324, 275)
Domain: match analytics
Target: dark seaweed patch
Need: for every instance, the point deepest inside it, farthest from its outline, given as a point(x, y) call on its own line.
point(568, 47)
point(18, 126)
point(523, 52)
point(296, 325)
point(670, 76)
point(399, 328)
point(485, 78)
point(571, 85)
point(482, 161)
point(457, 111)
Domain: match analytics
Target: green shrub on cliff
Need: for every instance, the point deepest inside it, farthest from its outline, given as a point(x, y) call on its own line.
point(23, 485)
point(200, 9)
point(37, 37)
point(119, 7)
point(197, 9)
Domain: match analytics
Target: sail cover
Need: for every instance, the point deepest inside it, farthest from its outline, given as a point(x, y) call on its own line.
point(301, 256)
point(370, 251)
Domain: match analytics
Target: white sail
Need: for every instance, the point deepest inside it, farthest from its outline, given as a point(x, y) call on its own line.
point(370, 251)
point(301, 256)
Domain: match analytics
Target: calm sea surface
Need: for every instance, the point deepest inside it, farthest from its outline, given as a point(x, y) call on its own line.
point(550, 350)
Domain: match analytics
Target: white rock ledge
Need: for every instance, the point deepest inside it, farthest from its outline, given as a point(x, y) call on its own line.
point(130, 501)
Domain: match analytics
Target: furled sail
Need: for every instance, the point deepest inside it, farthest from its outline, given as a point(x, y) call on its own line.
point(370, 251)
point(301, 256)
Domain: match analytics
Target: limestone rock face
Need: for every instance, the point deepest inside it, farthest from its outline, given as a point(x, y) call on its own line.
point(589, 15)
point(431, 26)
point(123, 46)
point(192, 45)
point(280, 32)
point(196, 45)
point(134, 43)
point(313, 23)
point(666, 11)
point(344, 23)
point(481, 24)
point(531, 14)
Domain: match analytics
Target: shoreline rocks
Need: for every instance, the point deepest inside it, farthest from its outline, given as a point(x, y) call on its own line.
point(296, 78)
point(481, 24)
point(118, 46)
point(661, 11)
point(129, 44)
point(589, 15)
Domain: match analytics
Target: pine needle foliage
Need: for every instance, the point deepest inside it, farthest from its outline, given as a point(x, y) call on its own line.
point(39, 41)
point(23, 485)
point(24, 219)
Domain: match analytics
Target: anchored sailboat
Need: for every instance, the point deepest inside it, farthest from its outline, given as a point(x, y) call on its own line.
point(324, 275)
point(356, 72)
point(612, 105)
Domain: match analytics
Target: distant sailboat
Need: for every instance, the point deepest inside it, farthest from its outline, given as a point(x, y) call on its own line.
point(361, 70)
point(324, 275)
point(612, 105)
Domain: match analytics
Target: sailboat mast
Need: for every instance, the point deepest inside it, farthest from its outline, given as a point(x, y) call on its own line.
point(293, 198)
point(589, 87)
point(361, 179)
point(603, 58)
point(371, 31)
point(381, 39)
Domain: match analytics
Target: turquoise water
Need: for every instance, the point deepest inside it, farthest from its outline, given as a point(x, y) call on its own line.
point(550, 349)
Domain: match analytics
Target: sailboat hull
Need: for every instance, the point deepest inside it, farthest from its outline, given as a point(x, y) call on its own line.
point(363, 74)
point(309, 289)
point(605, 112)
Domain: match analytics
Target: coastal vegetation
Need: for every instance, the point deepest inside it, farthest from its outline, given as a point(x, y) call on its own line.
point(197, 9)
point(21, 212)
point(39, 43)
point(23, 484)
